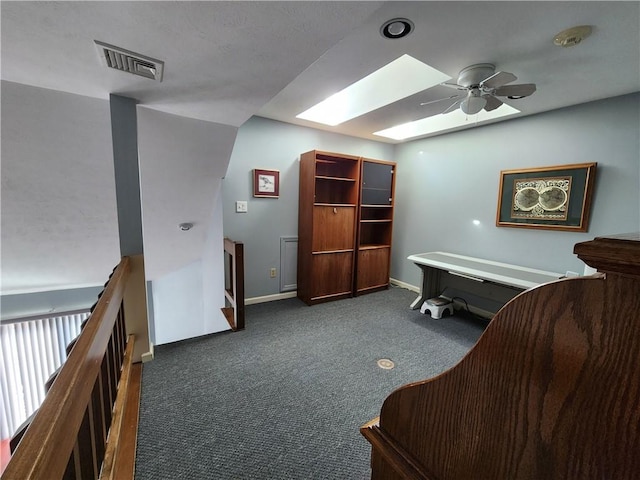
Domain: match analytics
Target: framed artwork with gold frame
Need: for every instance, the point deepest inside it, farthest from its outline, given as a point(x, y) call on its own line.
point(552, 198)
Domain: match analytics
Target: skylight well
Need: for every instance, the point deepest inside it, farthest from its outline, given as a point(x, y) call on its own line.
point(443, 122)
point(399, 79)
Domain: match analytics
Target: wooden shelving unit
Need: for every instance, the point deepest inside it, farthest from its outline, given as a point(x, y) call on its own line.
point(375, 225)
point(327, 225)
point(343, 245)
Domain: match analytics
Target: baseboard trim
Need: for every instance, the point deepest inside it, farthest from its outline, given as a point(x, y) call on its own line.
point(147, 357)
point(408, 286)
point(294, 294)
point(270, 298)
point(458, 305)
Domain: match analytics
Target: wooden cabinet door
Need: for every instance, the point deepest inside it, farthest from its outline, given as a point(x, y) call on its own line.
point(377, 183)
point(373, 268)
point(334, 228)
point(332, 274)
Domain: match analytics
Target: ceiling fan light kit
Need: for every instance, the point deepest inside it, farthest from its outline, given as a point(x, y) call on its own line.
point(473, 103)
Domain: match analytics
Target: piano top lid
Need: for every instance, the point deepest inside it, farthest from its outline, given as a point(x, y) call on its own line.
point(619, 254)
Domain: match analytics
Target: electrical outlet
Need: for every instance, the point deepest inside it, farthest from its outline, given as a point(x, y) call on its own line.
point(241, 206)
point(272, 273)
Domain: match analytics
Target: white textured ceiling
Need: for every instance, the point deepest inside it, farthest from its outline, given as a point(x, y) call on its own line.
point(227, 61)
point(223, 60)
point(516, 37)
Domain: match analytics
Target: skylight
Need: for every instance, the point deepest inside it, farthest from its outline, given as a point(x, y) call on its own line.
point(403, 77)
point(443, 122)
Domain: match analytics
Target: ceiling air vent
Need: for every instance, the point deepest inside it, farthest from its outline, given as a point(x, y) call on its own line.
point(127, 61)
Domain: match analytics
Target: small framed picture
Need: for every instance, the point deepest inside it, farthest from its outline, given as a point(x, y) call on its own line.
point(266, 183)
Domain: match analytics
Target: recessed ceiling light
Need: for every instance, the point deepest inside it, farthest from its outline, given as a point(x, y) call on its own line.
point(396, 28)
point(443, 122)
point(401, 78)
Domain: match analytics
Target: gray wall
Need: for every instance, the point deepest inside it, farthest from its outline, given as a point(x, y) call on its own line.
point(267, 144)
point(57, 301)
point(446, 182)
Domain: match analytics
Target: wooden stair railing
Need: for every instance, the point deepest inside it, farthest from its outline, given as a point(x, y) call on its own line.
point(234, 284)
point(551, 389)
point(87, 425)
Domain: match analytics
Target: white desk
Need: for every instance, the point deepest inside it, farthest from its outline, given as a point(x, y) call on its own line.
point(515, 277)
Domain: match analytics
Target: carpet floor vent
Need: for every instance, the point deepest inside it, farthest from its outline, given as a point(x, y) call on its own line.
point(130, 62)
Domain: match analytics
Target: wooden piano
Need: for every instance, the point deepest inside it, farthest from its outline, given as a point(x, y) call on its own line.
point(551, 390)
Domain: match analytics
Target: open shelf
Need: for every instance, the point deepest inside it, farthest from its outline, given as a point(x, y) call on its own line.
point(375, 233)
point(337, 179)
point(334, 191)
point(321, 204)
point(337, 168)
point(375, 213)
point(373, 246)
point(323, 252)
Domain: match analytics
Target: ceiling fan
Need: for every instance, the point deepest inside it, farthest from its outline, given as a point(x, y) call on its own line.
point(483, 86)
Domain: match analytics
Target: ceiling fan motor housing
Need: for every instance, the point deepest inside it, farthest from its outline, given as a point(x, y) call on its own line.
point(474, 74)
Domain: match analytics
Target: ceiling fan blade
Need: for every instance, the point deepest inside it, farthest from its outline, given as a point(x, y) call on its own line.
point(492, 102)
point(498, 79)
point(451, 107)
point(439, 100)
point(516, 91)
point(453, 85)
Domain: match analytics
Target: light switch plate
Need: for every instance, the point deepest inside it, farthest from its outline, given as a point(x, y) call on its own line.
point(241, 206)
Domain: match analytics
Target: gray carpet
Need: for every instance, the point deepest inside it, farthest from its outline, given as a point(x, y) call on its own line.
point(284, 399)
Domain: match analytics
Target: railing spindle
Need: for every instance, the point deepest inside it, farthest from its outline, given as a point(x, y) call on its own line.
point(99, 427)
point(106, 391)
point(85, 452)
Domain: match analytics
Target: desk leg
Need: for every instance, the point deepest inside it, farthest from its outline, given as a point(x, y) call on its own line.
point(417, 303)
point(429, 286)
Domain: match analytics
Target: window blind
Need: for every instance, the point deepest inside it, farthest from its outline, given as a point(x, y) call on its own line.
point(30, 351)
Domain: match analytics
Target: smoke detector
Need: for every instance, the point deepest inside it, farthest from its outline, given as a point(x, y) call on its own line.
point(131, 62)
point(572, 36)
